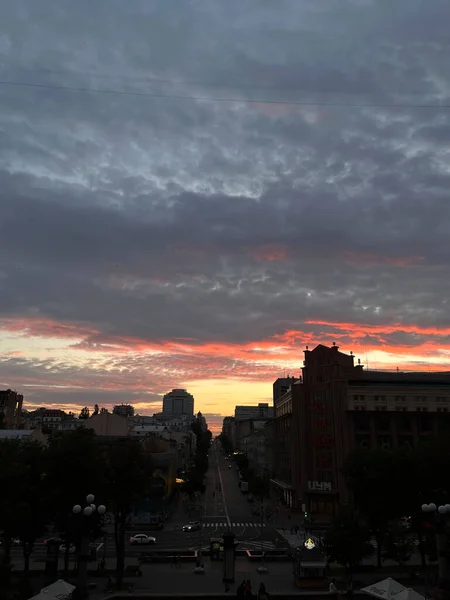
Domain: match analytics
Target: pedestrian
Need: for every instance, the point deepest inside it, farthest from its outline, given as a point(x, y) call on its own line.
point(332, 589)
point(262, 593)
point(241, 589)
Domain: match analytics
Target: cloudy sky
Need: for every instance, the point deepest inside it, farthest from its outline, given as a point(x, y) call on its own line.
point(191, 191)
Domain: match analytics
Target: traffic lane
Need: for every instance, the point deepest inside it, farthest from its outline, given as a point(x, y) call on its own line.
point(235, 499)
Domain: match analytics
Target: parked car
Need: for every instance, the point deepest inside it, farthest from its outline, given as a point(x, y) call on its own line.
point(191, 526)
point(142, 538)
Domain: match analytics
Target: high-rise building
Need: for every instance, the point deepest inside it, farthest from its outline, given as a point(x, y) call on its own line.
point(178, 402)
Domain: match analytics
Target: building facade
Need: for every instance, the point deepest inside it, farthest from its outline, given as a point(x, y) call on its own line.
point(341, 408)
point(11, 408)
point(178, 402)
point(262, 411)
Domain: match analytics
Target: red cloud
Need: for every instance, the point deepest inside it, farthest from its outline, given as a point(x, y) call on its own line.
point(269, 253)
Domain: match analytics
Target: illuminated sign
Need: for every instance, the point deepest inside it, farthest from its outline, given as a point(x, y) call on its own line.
point(309, 544)
point(319, 486)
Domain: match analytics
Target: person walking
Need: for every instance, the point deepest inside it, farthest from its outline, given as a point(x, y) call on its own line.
point(262, 592)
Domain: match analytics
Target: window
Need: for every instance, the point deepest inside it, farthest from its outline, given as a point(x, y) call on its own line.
point(403, 422)
point(442, 399)
point(362, 422)
point(442, 409)
point(380, 408)
point(357, 398)
point(379, 398)
point(400, 398)
point(422, 409)
point(421, 398)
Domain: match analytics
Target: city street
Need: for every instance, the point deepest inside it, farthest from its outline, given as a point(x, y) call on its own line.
point(222, 506)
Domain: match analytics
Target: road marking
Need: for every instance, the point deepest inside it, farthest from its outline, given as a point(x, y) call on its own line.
point(223, 496)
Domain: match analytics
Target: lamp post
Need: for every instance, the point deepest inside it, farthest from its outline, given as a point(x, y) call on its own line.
point(440, 516)
point(83, 555)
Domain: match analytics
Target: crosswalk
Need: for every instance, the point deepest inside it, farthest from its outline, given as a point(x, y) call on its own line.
point(242, 524)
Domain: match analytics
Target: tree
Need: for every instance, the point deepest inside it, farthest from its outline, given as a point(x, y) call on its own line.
point(75, 469)
point(348, 540)
point(85, 413)
point(128, 472)
point(398, 544)
point(24, 513)
point(369, 474)
point(103, 410)
point(96, 410)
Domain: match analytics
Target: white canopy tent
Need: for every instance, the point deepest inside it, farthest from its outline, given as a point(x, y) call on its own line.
point(386, 589)
point(60, 590)
point(409, 594)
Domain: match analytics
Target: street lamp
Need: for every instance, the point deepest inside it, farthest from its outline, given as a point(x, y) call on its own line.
point(440, 516)
point(83, 556)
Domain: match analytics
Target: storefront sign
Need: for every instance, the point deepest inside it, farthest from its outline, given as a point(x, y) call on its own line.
point(320, 486)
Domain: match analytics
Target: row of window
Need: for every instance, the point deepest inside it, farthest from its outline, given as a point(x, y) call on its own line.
point(440, 409)
point(438, 399)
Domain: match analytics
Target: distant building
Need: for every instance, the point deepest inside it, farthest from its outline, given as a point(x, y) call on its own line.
point(262, 411)
point(281, 386)
point(124, 410)
point(11, 407)
point(203, 424)
point(35, 435)
point(109, 425)
point(178, 402)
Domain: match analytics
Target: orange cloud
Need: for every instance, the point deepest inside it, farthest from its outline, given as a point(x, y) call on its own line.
point(269, 253)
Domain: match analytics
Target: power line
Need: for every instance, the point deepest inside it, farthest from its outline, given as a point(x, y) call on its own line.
point(198, 83)
point(224, 99)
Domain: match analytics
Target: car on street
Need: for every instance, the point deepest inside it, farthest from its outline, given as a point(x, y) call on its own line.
point(191, 526)
point(142, 538)
point(72, 548)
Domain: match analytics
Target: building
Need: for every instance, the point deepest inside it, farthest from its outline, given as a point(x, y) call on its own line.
point(282, 385)
point(11, 408)
point(108, 425)
point(256, 445)
point(178, 402)
point(262, 411)
point(339, 407)
point(286, 444)
point(34, 435)
point(229, 431)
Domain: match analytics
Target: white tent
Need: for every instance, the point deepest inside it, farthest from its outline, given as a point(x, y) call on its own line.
point(409, 594)
point(385, 589)
point(60, 590)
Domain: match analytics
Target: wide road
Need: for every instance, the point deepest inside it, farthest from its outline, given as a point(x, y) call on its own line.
point(226, 506)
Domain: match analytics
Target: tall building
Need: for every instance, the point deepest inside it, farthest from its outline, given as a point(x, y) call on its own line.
point(262, 411)
point(11, 408)
point(338, 407)
point(177, 403)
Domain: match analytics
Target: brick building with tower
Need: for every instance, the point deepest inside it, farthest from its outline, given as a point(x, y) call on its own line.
point(337, 407)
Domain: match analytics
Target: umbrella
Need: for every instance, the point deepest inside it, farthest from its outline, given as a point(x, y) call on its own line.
point(386, 589)
point(409, 594)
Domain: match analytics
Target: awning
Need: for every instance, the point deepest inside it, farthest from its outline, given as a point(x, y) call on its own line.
point(409, 594)
point(282, 484)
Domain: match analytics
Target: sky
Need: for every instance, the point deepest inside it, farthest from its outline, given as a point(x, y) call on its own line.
point(192, 191)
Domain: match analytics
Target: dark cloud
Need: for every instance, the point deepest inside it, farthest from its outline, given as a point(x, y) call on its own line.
point(156, 217)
